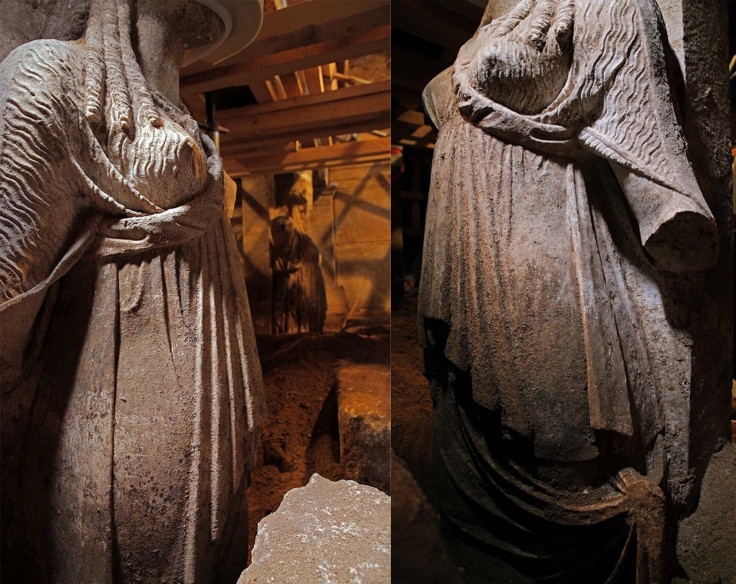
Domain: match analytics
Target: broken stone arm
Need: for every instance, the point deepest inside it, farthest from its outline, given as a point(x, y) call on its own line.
point(677, 230)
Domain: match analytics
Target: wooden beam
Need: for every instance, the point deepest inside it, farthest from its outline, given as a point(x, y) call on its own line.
point(402, 129)
point(422, 137)
point(307, 24)
point(270, 87)
point(382, 88)
point(260, 92)
point(236, 170)
point(423, 133)
point(291, 84)
point(308, 158)
point(260, 68)
point(310, 82)
point(196, 106)
point(314, 80)
point(258, 149)
point(293, 117)
point(409, 117)
point(301, 82)
point(341, 150)
point(304, 136)
point(279, 86)
point(331, 76)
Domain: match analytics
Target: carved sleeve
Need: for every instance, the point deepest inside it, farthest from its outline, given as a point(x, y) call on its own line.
point(638, 132)
point(38, 205)
point(439, 97)
point(615, 102)
point(41, 211)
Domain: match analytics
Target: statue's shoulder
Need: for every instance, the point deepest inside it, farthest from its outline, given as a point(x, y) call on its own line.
point(43, 66)
point(438, 96)
point(40, 81)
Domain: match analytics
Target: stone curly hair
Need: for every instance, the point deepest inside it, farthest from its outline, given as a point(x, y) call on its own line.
point(115, 88)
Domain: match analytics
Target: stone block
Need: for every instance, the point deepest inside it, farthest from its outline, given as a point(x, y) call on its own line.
point(364, 416)
point(324, 533)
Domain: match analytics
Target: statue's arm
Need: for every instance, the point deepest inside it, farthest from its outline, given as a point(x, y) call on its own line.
point(437, 97)
point(678, 231)
point(639, 133)
point(41, 208)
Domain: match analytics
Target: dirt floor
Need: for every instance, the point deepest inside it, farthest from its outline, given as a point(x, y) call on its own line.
point(411, 406)
point(300, 436)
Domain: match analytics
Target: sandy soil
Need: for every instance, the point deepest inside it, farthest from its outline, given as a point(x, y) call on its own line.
point(300, 436)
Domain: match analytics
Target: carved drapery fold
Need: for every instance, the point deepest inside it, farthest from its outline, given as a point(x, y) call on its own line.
point(133, 356)
point(557, 227)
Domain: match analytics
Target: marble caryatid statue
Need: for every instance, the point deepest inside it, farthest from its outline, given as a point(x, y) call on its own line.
point(131, 386)
point(563, 216)
point(299, 302)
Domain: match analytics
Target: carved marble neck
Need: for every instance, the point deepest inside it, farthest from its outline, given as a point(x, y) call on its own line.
point(160, 50)
point(497, 8)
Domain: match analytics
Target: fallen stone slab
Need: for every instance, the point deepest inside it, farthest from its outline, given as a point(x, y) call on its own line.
point(364, 417)
point(324, 533)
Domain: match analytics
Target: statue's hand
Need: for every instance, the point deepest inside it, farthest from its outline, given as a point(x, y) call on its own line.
point(547, 26)
point(523, 59)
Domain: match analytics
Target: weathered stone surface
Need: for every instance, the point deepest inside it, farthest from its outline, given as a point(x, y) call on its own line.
point(325, 533)
point(129, 378)
point(702, 91)
point(364, 417)
point(27, 20)
point(571, 239)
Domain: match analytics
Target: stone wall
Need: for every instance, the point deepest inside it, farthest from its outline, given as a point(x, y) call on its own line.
point(362, 233)
point(349, 221)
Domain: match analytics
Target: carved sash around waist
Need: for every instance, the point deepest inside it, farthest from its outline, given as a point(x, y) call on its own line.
point(105, 239)
point(170, 228)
